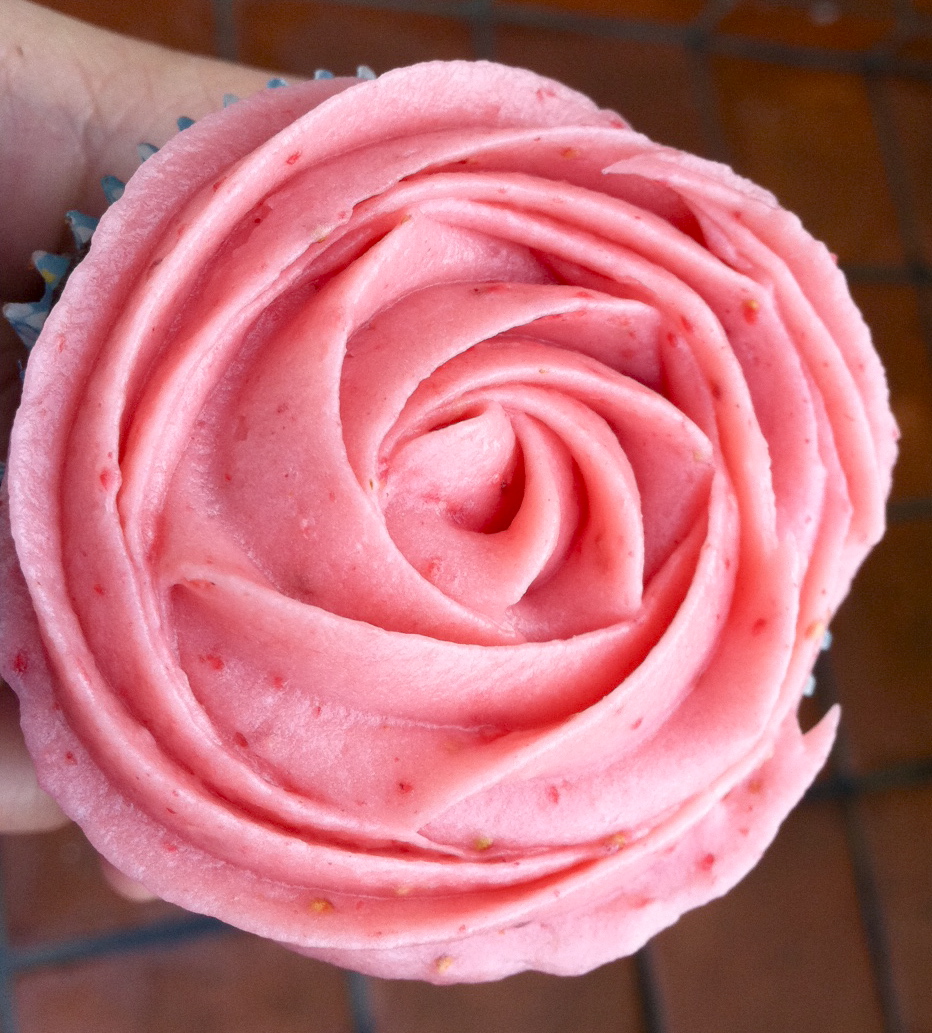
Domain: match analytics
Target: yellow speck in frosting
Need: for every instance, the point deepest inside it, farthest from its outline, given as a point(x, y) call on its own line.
point(816, 630)
point(442, 963)
point(403, 891)
point(617, 841)
point(543, 370)
point(570, 152)
point(482, 842)
point(320, 906)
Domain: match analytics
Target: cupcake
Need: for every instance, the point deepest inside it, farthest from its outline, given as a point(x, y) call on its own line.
point(427, 503)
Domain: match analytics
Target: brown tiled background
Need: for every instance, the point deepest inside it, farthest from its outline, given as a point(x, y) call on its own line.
point(829, 103)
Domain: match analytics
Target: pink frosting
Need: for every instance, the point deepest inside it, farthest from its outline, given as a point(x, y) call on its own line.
point(428, 499)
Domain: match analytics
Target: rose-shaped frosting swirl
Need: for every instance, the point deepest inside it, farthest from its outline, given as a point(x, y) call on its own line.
point(429, 498)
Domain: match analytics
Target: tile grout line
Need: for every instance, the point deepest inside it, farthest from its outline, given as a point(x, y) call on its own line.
point(121, 941)
point(711, 14)
point(464, 11)
point(912, 509)
point(648, 986)
point(872, 917)
point(917, 775)
point(702, 88)
point(797, 56)
point(482, 26)
point(902, 192)
point(360, 1002)
point(869, 904)
point(8, 1023)
point(226, 39)
point(888, 275)
point(925, 321)
point(895, 168)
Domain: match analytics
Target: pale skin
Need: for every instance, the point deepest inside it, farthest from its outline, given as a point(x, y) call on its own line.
point(74, 103)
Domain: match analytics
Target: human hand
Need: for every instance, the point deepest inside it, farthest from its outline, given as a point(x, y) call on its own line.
point(74, 103)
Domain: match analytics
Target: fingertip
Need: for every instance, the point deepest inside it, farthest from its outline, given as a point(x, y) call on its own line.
point(24, 805)
point(123, 885)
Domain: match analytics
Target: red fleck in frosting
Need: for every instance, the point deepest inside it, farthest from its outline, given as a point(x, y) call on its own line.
point(422, 501)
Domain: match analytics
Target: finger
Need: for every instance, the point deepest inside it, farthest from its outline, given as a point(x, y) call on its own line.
point(124, 885)
point(76, 101)
point(24, 807)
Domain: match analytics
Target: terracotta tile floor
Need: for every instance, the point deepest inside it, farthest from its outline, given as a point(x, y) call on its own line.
point(829, 103)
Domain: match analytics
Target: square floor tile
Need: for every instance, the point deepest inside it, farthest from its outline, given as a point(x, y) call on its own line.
point(916, 47)
point(302, 37)
point(893, 315)
point(837, 26)
point(616, 74)
point(910, 103)
point(604, 1001)
point(808, 136)
point(784, 951)
point(217, 984)
point(899, 833)
point(882, 652)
